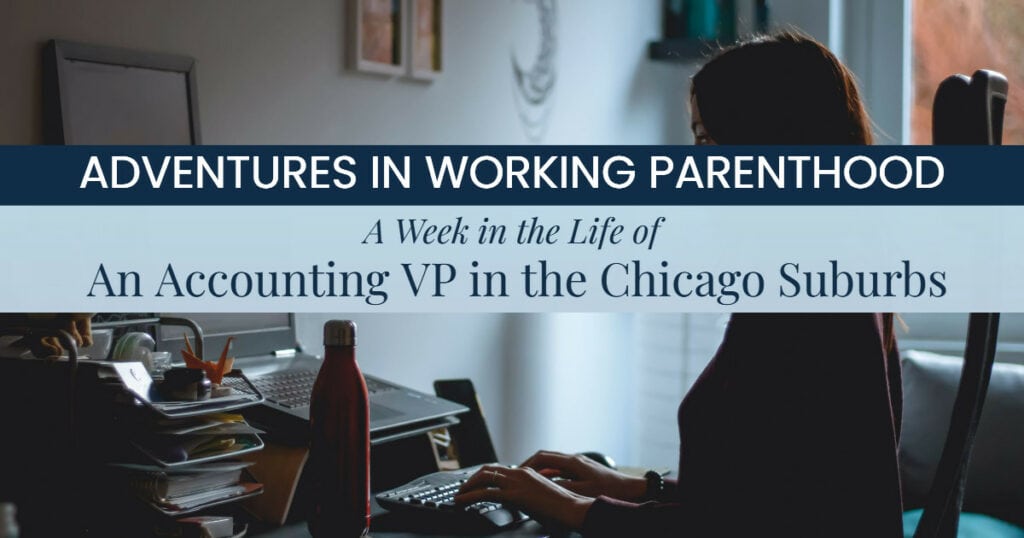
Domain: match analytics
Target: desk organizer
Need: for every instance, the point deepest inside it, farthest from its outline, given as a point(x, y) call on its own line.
point(69, 423)
point(192, 446)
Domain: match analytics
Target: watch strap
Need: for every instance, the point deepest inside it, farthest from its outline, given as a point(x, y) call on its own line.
point(655, 484)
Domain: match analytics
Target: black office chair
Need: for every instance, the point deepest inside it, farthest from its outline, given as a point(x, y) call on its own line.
point(967, 111)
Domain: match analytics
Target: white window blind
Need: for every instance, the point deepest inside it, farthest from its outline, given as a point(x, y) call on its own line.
point(672, 350)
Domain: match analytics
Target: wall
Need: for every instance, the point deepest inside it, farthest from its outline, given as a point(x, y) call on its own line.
point(273, 72)
point(569, 384)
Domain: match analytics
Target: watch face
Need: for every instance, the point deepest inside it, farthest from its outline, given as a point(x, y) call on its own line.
point(655, 483)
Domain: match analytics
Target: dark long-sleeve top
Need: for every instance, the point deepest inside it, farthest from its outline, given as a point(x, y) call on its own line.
point(791, 430)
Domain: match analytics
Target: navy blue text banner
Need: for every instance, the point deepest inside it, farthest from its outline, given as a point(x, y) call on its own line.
point(511, 175)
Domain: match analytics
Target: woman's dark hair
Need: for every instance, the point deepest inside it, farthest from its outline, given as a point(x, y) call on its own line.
point(889, 331)
point(780, 89)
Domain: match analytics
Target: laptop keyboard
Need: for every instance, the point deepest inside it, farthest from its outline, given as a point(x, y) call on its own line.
point(287, 388)
point(293, 388)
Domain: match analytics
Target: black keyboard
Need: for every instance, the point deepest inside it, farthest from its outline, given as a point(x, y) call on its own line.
point(293, 388)
point(432, 497)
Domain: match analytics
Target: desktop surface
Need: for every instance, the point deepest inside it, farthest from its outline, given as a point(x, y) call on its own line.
point(387, 524)
point(530, 529)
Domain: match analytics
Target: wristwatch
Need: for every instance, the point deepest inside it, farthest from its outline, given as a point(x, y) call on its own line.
point(655, 484)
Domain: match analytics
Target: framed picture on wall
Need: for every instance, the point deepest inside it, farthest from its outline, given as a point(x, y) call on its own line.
point(378, 36)
point(425, 39)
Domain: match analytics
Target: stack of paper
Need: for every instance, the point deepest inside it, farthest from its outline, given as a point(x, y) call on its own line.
point(138, 383)
point(189, 447)
point(183, 489)
point(198, 439)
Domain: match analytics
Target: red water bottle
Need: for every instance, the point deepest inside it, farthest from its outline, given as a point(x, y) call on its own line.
point(339, 449)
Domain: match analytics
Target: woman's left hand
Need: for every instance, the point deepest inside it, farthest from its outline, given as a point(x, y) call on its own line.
point(528, 491)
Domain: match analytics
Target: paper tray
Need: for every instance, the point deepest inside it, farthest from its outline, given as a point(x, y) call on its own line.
point(176, 513)
point(139, 385)
point(258, 445)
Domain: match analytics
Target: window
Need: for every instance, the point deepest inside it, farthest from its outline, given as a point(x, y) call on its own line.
point(671, 352)
point(961, 36)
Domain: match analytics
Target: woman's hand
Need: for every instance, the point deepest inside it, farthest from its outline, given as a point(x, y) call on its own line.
point(527, 490)
point(585, 476)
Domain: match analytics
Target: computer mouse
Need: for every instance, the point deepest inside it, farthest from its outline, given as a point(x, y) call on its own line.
point(600, 458)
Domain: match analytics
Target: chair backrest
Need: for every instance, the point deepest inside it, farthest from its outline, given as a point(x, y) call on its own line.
point(967, 111)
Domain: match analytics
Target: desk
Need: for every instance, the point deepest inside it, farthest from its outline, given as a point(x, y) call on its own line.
point(530, 529)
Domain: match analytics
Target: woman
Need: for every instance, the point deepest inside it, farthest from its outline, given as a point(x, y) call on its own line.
point(792, 429)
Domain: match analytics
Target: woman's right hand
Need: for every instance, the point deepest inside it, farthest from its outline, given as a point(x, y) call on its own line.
point(587, 477)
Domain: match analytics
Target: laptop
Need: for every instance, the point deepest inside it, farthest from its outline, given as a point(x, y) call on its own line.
point(266, 349)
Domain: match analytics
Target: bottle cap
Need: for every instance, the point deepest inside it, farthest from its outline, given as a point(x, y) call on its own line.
point(340, 333)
